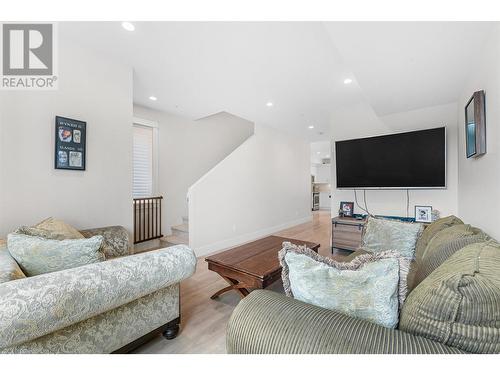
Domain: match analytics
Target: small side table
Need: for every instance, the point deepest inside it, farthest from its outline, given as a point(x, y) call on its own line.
point(347, 233)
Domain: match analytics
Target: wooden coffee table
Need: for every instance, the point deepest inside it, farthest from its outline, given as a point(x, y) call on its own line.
point(252, 265)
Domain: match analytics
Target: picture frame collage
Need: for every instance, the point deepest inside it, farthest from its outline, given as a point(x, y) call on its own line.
point(70, 144)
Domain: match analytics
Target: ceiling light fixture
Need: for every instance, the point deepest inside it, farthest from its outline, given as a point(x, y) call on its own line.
point(153, 98)
point(310, 127)
point(347, 81)
point(128, 26)
point(269, 104)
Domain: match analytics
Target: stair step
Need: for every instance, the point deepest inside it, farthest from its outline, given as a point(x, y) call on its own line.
point(181, 231)
point(174, 240)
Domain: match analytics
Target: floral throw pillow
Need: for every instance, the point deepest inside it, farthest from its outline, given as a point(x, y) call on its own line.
point(394, 235)
point(370, 287)
point(36, 255)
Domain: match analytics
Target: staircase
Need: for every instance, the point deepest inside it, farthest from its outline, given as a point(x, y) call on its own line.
point(179, 236)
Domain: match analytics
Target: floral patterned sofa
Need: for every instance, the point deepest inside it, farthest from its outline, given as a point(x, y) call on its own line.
point(111, 306)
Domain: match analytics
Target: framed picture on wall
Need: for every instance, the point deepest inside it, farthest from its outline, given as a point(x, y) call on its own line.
point(70, 144)
point(475, 125)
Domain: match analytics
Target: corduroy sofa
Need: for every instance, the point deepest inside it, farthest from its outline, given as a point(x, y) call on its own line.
point(453, 306)
point(110, 306)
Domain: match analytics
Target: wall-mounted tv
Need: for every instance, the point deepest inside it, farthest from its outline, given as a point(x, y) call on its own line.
point(411, 160)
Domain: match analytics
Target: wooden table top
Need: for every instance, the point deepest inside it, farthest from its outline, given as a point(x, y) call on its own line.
point(258, 258)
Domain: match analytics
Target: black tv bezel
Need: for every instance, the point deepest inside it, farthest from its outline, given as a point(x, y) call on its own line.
point(445, 186)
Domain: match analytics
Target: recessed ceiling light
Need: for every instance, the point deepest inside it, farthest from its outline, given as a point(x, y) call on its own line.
point(347, 81)
point(310, 127)
point(269, 104)
point(128, 26)
point(318, 152)
point(153, 98)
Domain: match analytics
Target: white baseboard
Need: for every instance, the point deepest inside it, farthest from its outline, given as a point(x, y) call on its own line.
point(231, 242)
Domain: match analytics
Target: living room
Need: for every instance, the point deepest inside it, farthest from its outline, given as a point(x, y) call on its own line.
point(158, 185)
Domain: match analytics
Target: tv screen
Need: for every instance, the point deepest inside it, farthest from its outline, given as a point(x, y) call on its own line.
point(405, 160)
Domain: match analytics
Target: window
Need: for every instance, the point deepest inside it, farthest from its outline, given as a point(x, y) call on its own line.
point(144, 161)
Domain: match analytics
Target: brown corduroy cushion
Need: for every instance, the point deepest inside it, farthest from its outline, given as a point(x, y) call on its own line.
point(429, 232)
point(448, 234)
point(459, 303)
point(434, 258)
point(444, 244)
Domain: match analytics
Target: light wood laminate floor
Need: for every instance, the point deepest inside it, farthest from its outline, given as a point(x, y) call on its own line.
point(203, 321)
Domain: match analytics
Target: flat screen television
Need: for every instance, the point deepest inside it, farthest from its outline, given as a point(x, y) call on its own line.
point(411, 160)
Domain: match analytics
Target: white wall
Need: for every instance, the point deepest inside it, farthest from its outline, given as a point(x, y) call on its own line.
point(323, 173)
point(323, 176)
point(2, 183)
point(314, 170)
point(393, 203)
point(479, 178)
point(91, 89)
point(262, 187)
point(187, 150)
point(325, 202)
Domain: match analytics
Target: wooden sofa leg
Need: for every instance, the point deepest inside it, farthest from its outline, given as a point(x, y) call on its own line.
point(172, 329)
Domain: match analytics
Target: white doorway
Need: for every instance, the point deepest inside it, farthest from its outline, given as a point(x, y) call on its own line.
point(321, 175)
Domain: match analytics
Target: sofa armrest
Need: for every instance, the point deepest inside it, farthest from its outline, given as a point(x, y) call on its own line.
point(35, 306)
point(116, 240)
point(265, 322)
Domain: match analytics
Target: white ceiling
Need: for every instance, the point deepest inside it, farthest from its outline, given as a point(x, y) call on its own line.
point(403, 66)
point(197, 69)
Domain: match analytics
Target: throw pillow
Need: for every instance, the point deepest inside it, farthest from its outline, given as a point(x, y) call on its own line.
point(56, 230)
point(438, 255)
point(440, 242)
point(368, 287)
point(431, 230)
point(38, 255)
point(32, 231)
point(116, 240)
point(459, 303)
point(9, 269)
point(394, 235)
point(448, 234)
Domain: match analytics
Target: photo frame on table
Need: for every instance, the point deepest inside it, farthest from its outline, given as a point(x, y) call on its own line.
point(423, 214)
point(70, 144)
point(347, 209)
point(475, 125)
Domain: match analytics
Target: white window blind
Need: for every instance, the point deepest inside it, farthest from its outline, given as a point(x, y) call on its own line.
point(143, 162)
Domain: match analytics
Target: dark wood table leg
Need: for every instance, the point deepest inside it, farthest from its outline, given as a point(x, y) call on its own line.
point(233, 285)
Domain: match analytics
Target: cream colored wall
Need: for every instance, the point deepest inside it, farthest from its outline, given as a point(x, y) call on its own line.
point(479, 178)
point(2, 183)
point(187, 150)
point(91, 89)
point(260, 188)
